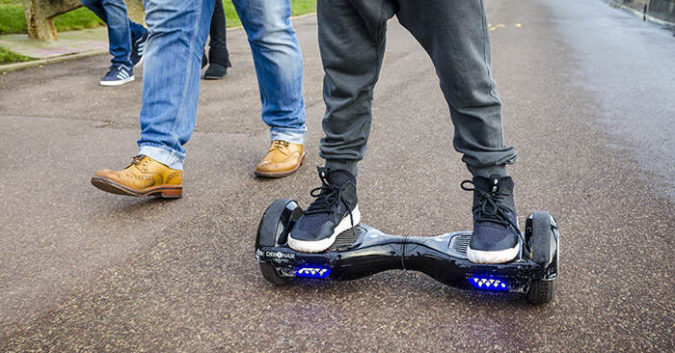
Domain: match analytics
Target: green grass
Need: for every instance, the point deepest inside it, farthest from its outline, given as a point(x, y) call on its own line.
point(298, 7)
point(78, 19)
point(230, 14)
point(7, 57)
point(13, 20)
point(301, 7)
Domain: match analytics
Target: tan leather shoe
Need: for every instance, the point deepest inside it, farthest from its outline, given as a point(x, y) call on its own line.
point(283, 158)
point(143, 177)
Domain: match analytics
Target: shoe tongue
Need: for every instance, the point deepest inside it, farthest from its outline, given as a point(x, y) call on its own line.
point(340, 176)
point(503, 183)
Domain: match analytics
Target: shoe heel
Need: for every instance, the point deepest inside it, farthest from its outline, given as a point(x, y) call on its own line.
point(172, 194)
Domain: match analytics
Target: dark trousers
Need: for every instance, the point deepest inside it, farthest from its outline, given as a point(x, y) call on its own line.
point(218, 43)
point(455, 35)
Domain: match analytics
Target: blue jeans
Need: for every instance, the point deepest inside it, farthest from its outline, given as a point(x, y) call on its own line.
point(178, 31)
point(121, 30)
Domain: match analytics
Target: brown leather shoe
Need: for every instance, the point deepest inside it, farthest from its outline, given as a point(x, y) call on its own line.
point(143, 177)
point(283, 158)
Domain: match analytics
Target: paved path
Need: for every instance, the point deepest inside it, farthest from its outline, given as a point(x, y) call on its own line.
point(87, 41)
point(81, 270)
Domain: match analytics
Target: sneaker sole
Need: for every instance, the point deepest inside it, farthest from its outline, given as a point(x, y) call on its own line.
point(324, 244)
point(116, 83)
point(280, 174)
point(163, 191)
point(214, 78)
point(492, 257)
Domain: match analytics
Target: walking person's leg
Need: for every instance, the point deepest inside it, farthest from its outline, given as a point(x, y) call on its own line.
point(278, 63)
point(119, 37)
point(96, 6)
point(219, 58)
point(137, 31)
point(178, 31)
point(352, 42)
point(455, 34)
point(114, 14)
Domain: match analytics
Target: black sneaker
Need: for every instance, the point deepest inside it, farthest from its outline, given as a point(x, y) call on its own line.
point(215, 72)
point(334, 211)
point(495, 224)
point(137, 49)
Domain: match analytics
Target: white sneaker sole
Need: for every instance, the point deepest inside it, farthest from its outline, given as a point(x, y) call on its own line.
point(492, 257)
point(324, 244)
point(116, 83)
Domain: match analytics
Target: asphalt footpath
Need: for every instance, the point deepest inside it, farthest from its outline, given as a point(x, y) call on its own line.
point(86, 271)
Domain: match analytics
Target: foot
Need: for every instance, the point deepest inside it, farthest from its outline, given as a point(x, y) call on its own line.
point(334, 211)
point(215, 72)
point(281, 159)
point(204, 60)
point(495, 224)
point(143, 177)
point(117, 76)
point(137, 49)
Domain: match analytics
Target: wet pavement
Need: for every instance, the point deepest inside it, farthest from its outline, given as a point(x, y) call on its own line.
point(81, 270)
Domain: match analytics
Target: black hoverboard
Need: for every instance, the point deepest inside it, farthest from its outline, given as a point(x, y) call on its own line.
point(365, 251)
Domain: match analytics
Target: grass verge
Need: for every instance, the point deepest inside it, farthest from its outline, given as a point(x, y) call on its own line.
point(7, 57)
point(13, 20)
point(298, 7)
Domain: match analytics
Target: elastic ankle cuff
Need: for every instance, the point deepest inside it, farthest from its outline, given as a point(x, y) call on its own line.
point(486, 172)
point(345, 164)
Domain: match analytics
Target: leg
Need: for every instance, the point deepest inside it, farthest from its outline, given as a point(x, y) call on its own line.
point(178, 31)
point(218, 43)
point(352, 42)
point(136, 30)
point(96, 7)
point(278, 64)
point(455, 35)
point(119, 32)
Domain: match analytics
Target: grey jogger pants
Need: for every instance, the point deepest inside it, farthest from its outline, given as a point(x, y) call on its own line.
point(455, 35)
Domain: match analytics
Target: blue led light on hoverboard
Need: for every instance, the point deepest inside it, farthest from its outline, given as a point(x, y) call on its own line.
point(312, 272)
point(486, 283)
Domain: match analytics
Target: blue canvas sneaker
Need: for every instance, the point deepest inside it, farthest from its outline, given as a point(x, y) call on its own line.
point(495, 224)
point(117, 76)
point(137, 49)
